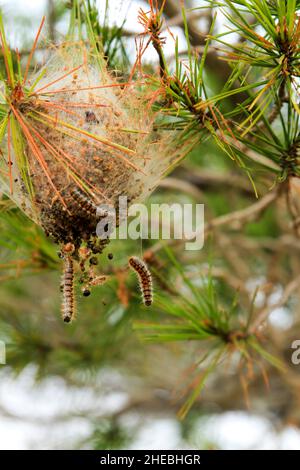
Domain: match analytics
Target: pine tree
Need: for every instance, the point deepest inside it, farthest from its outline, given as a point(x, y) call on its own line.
point(218, 123)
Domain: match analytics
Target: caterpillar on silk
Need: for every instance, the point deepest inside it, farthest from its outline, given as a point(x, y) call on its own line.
point(145, 278)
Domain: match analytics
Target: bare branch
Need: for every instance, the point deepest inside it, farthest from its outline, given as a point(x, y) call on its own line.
point(264, 313)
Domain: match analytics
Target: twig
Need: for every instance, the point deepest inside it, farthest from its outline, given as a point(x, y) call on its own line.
point(265, 312)
point(204, 179)
point(180, 185)
point(244, 214)
point(190, 16)
point(241, 216)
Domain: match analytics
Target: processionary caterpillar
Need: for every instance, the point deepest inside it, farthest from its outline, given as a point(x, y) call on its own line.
point(85, 203)
point(145, 278)
point(68, 308)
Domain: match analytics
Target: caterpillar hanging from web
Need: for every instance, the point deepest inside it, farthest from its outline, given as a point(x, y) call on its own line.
point(145, 278)
point(68, 305)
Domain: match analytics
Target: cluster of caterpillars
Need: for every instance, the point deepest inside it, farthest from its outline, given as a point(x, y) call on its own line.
point(67, 287)
point(88, 278)
point(85, 254)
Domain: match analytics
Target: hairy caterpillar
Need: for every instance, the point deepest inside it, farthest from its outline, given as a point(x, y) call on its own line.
point(85, 203)
point(145, 278)
point(68, 309)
